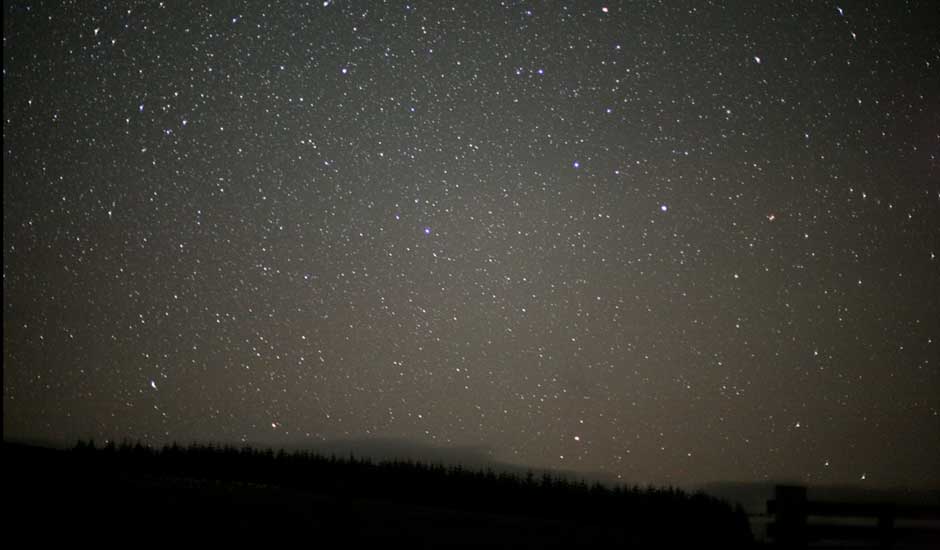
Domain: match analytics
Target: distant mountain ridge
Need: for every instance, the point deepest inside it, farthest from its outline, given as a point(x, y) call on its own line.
point(753, 496)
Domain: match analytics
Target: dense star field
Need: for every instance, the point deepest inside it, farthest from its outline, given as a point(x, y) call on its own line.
point(667, 242)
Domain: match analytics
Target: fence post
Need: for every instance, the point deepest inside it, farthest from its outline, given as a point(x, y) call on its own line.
point(790, 511)
point(886, 526)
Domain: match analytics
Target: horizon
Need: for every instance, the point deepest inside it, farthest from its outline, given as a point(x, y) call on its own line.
point(373, 451)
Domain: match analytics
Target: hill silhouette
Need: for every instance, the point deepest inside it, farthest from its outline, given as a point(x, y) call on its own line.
point(348, 499)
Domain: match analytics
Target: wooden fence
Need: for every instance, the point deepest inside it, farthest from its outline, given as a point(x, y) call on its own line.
point(802, 523)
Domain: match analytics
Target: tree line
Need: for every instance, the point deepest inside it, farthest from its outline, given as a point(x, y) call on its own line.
point(646, 510)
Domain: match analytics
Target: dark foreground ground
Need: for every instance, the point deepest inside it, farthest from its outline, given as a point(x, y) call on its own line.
point(51, 497)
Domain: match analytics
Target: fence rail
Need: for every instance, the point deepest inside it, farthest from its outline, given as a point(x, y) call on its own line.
point(800, 523)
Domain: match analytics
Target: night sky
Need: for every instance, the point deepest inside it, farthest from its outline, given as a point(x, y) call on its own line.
point(674, 242)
